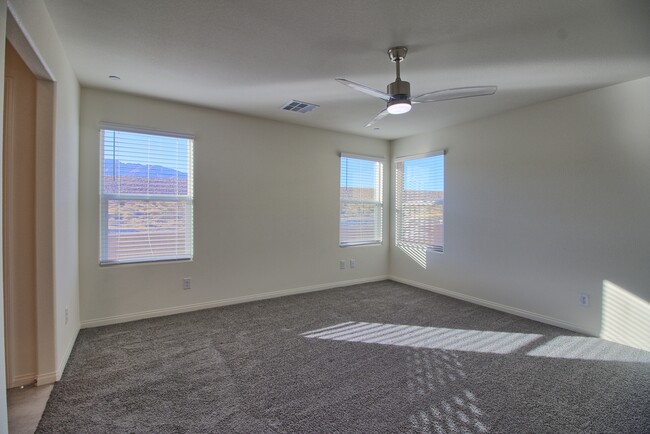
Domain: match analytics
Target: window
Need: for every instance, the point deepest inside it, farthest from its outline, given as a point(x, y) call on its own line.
point(146, 192)
point(419, 200)
point(361, 200)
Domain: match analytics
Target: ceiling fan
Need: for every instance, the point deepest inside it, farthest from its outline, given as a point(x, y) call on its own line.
point(398, 93)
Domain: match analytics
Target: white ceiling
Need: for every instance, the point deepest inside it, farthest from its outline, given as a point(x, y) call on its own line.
point(252, 56)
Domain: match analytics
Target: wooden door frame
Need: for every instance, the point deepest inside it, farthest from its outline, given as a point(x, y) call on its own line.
point(7, 228)
point(44, 225)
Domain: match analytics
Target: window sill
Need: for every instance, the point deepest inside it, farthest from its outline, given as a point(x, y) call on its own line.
point(368, 244)
point(150, 262)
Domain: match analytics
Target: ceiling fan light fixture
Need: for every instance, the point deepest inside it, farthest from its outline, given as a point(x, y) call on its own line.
point(398, 93)
point(398, 107)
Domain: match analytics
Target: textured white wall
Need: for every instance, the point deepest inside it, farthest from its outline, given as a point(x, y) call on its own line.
point(543, 203)
point(266, 210)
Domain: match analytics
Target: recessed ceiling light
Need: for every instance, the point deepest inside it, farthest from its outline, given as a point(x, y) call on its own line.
point(114, 77)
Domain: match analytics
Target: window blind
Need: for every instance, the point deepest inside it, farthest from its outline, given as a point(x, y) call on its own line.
point(361, 200)
point(146, 194)
point(419, 200)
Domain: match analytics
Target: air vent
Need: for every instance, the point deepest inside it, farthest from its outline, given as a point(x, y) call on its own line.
point(299, 106)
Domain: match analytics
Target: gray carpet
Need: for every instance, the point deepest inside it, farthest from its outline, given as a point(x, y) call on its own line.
point(373, 358)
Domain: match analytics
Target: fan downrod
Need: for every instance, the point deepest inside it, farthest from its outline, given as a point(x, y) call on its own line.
point(399, 90)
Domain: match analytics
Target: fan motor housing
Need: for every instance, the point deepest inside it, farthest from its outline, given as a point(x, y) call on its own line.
point(399, 87)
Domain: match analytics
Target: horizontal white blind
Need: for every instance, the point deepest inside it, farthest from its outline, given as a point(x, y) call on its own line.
point(146, 191)
point(419, 200)
point(361, 200)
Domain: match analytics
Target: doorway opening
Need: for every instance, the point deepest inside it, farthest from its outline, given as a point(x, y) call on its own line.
point(27, 163)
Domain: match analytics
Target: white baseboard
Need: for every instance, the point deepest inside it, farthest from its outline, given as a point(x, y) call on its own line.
point(47, 378)
point(493, 305)
point(223, 302)
point(64, 359)
point(21, 380)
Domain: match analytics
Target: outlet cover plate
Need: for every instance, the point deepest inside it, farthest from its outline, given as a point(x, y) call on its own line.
point(583, 299)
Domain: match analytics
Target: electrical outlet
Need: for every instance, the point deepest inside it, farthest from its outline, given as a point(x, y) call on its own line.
point(353, 263)
point(583, 299)
point(66, 316)
point(187, 283)
point(342, 264)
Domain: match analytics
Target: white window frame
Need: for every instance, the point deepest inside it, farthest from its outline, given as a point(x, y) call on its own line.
point(378, 202)
point(399, 203)
point(106, 197)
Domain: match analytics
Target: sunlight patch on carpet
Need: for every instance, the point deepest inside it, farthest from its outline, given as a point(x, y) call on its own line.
point(425, 337)
point(585, 348)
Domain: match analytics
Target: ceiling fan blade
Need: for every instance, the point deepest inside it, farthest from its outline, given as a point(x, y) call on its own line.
point(382, 114)
point(365, 89)
point(455, 93)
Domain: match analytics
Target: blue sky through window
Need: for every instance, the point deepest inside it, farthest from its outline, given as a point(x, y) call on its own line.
point(419, 174)
point(352, 167)
point(147, 149)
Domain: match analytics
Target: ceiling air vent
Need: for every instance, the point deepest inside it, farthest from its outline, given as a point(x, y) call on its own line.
point(299, 106)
